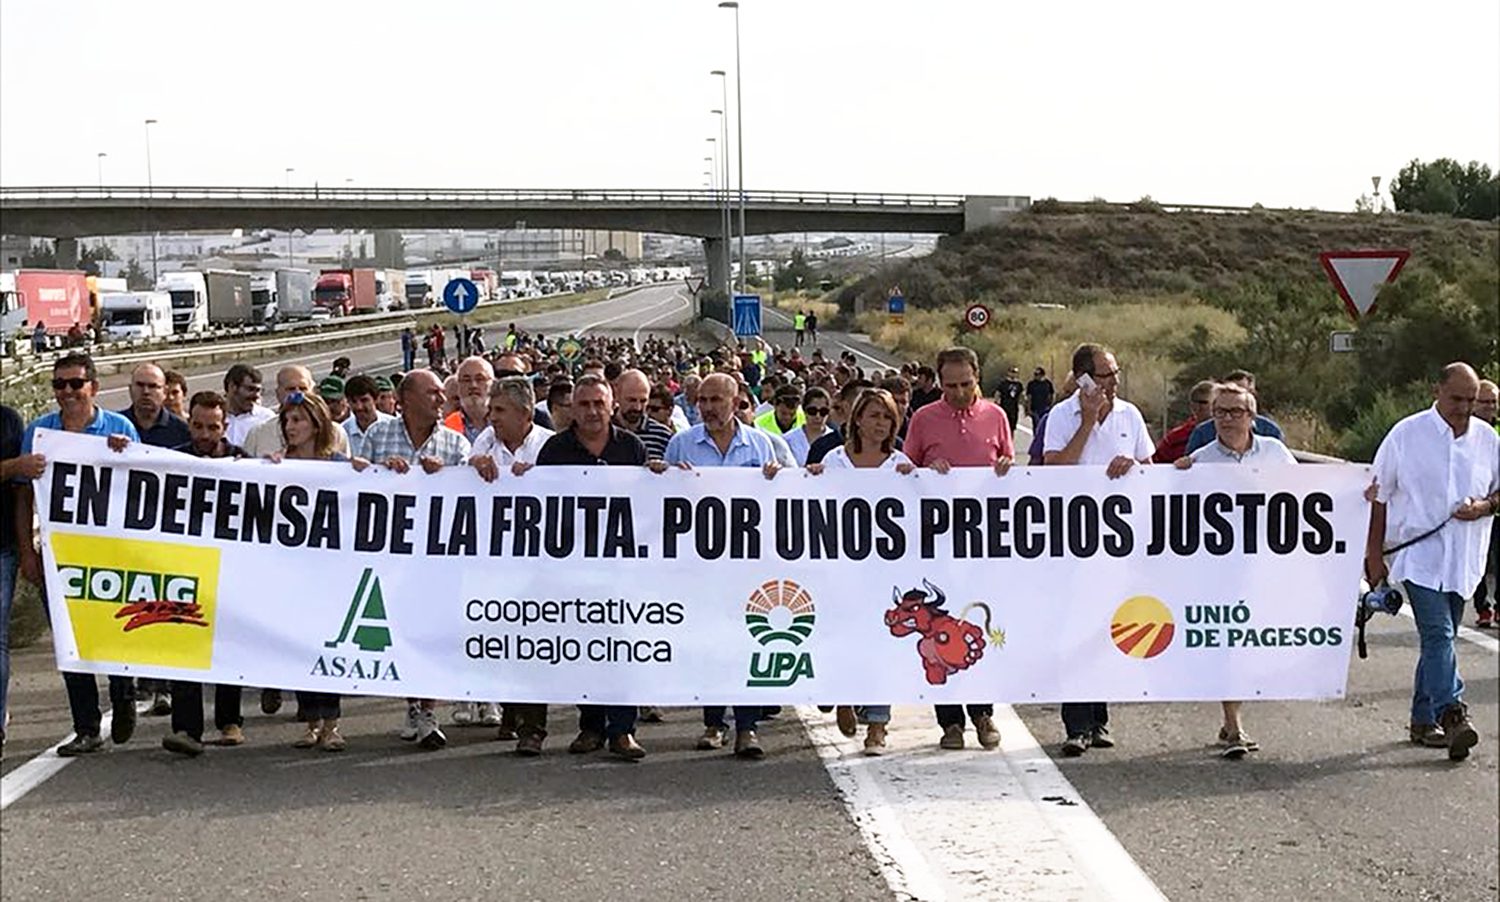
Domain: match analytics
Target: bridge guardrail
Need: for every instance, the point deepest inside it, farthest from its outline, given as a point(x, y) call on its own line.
point(135, 194)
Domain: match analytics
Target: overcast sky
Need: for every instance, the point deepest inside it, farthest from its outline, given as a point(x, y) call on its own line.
point(1282, 103)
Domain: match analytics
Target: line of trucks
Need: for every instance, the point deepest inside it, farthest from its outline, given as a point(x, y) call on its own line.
point(190, 301)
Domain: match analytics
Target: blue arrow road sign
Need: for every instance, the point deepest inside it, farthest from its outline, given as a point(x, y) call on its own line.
point(896, 304)
point(746, 314)
point(460, 295)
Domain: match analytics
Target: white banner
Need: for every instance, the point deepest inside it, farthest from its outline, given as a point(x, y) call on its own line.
point(616, 585)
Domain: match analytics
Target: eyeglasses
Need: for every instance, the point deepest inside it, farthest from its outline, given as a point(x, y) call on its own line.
point(76, 383)
point(816, 411)
point(1200, 402)
point(1231, 413)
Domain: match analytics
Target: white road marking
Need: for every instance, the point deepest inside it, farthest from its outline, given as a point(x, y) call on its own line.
point(16, 784)
point(635, 338)
point(974, 824)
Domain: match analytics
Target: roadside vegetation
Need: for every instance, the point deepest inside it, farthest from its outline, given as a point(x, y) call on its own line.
point(1188, 295)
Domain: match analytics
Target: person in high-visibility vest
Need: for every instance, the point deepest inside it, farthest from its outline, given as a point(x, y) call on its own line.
point(786, 413)
point(799, 324)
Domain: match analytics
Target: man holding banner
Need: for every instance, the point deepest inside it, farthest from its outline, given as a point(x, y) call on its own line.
point(721, 441)
point(1095, 427)
point(75, 383)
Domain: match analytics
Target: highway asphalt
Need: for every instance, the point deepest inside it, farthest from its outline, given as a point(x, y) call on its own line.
point(1335, 806)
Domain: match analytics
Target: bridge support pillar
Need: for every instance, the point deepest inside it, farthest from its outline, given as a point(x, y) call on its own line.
point(66, 250)
point(717, 252)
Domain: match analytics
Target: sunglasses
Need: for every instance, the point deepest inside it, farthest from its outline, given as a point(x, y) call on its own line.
point(295, 397)
point(744, 405)
point(816, 411)
point(76, 383)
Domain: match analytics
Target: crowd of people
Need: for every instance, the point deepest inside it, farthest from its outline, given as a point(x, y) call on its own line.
point(537, 400)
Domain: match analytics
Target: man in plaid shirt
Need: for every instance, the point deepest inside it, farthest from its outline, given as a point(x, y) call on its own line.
point(418, 436)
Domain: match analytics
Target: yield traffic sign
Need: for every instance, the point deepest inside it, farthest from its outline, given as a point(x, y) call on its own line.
point(1358, 276)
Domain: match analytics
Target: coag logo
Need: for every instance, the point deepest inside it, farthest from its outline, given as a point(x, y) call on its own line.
point(138, 602)
point(368, 630)
point(783, 667)
point(1142, 627)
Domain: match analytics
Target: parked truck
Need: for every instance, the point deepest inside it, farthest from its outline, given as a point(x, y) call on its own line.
point(341, 292)
point(390, 289)
point(135, 314)
point(280, 295)
point(57, 297)
point(418, 289)
point(215, 297)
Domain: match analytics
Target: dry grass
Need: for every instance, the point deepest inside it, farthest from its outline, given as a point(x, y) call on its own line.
point(1141, 331)
point(789, 301)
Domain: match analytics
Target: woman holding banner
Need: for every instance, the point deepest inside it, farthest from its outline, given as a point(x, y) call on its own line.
point(308, 431)
point(869, 444)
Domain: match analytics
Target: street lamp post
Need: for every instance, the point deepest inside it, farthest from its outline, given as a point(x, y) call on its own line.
point(100, 162)
point(150, 190)
point(724, 171)
point(291, 258)
point(739, 129)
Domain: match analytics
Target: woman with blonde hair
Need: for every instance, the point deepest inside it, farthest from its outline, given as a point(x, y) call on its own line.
point(869, 443)
point(307, 429)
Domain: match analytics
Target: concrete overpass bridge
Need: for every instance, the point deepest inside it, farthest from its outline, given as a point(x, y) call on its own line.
point(69, 213)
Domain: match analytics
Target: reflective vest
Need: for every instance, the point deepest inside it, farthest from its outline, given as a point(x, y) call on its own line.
point(799, 322)
point(766, 422)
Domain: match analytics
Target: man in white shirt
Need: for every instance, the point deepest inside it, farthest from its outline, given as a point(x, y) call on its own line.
point(512, 437)
point(1095, 427)
point(361, 392)
point(1434, 500)
point(242, 394)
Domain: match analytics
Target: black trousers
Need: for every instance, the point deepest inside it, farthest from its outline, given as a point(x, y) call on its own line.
point(1083, 718)
point(187, 708)
point(315, 706)
point(83, 699)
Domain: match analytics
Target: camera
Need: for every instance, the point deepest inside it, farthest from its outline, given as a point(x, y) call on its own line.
point(1382, 599)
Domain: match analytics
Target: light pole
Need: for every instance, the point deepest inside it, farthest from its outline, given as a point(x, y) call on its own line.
point(739, 130)
point(150, 190)
point(724, 170)
point(100, 162)
point(291, 258)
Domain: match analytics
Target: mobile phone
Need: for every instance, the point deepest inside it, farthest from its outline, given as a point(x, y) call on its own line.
point(1086, 383)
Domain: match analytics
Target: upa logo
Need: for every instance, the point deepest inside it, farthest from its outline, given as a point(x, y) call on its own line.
point(139, 602)
point(363, 638)
point(781, 667)
point(1142, 627)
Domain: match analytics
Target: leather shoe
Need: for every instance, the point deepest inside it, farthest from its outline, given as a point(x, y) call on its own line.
point(585, 742)
point(1428, 735)
point(625, 746)
point(712, 738)
point(529, 745)
point(989, 734)
point(953, 737)
point(747, 745)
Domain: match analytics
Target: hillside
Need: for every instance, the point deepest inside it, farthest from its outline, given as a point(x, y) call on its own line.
point(1186, 295)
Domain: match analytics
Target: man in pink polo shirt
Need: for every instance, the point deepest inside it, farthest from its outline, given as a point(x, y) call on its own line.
point(961, 429)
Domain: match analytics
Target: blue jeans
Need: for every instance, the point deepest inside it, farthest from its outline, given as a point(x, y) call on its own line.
point(1437, 682)
point(873, 713)
point(8, 563)
point(745, 717)
point(607, 720)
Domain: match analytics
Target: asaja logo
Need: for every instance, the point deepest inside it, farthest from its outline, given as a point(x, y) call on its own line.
point(366, 628)
point(1142, 627)
point(768, 625)
point(138, 602)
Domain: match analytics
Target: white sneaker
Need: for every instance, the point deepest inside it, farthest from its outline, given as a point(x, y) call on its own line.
point(465, 713)
point(429, 735)
point(489, 714)
point(409, 727)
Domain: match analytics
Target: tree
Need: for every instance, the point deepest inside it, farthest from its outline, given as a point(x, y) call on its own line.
point(136, 278)
point(795, 274)
point(1444, 186)
point(41, 256)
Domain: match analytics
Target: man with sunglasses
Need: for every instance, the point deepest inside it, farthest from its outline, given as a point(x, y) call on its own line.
point(1173, 445)
point(1095, 427)
point(75, 383)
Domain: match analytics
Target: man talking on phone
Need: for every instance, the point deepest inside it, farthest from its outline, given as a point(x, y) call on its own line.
point(1095, 427)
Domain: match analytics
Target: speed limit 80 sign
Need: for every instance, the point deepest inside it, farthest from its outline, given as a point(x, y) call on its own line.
point(977, 316)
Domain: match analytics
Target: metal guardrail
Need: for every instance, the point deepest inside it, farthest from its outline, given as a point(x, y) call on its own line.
point(134, 194)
